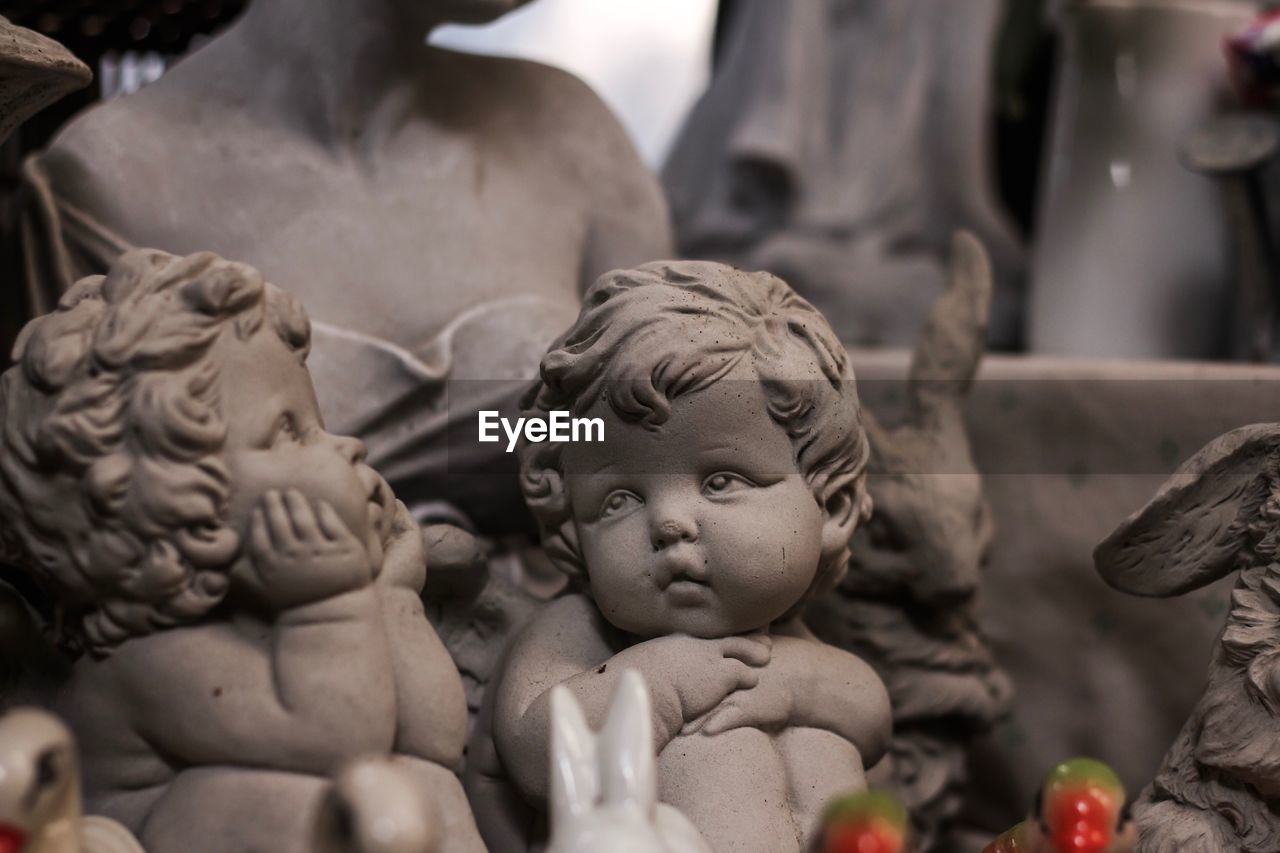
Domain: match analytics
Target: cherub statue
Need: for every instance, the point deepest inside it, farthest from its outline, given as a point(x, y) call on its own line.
point(722, 499)
point(241, 589)
point(1219, 787)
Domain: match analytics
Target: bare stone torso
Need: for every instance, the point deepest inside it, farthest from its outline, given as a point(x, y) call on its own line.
point(447, 235)
point(506, 179)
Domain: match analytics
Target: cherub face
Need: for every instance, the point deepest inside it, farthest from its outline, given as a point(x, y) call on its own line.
point(277, 441)
point(704, 526)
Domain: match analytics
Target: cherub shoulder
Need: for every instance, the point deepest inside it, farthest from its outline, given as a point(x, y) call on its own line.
point(565, 623)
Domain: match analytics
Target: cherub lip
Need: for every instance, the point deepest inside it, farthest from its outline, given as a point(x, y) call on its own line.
point(681, 566)
point(688, 593)
point(379, 494)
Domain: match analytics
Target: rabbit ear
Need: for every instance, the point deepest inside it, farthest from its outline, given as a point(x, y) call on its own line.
point(575, 781)
point(954, 337)
point(1192, 530)
point(626, 744)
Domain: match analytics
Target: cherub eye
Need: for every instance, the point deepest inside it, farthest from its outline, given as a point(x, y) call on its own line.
point(286, 430)
point(725, 483)
point(619, 502)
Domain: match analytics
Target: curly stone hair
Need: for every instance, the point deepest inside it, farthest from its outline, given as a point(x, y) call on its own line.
point(648, 335)
point(112, 491)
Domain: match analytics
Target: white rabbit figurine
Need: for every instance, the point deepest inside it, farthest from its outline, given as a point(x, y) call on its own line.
point(604, 791)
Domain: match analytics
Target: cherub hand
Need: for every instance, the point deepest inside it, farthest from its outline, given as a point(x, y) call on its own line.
point(300, 553)
point(703, 672)
point(767, 706)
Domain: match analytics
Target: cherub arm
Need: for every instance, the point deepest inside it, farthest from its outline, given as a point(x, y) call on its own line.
point(809, 684)
point(299, 690)
point(566, 644)
point(301, 694)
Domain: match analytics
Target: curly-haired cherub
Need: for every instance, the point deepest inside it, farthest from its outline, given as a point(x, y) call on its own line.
point(242, 589)
point(722, 498)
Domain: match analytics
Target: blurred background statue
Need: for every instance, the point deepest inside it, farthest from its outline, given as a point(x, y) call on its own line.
point(1133, 251)
point(840, 145)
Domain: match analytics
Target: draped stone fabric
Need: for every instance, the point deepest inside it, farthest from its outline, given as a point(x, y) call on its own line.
point(840, 144)
point(413, 407)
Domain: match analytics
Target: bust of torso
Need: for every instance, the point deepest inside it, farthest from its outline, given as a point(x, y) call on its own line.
point(438, 218)
point(500, 178)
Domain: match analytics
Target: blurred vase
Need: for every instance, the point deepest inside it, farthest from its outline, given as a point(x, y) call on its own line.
point(1132, 256)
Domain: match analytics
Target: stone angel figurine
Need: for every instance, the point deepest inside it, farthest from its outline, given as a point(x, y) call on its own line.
point(1219, 787)
point(236, 592)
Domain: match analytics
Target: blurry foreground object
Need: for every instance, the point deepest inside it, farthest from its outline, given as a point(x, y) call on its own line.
point(1132, 253)
point(865, 822)
point(34, 72)
point(604, 787)
point(1079, 809)
point(376, 805)
point(839, 146)
point(40, 810)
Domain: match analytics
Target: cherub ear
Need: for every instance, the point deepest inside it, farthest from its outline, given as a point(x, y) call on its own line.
point(845, 507)
point(626, 747)
point(575, 780)
point(1191, 531)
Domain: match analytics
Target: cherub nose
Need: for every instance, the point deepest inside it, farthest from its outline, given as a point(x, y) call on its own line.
point(353, 449)
point(670, 532)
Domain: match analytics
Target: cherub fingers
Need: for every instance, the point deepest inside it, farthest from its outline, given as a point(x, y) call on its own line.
point(738, 669)
point(301, 551)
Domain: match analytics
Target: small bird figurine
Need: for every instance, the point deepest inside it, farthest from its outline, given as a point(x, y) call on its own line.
point(1079, 809)
point(34, 72)
point(865, 822)
point(376, 805)
point(40, 809)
